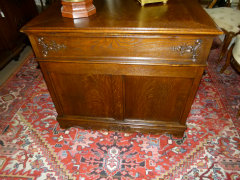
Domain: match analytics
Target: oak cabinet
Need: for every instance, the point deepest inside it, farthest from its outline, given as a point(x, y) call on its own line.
point(126, 68)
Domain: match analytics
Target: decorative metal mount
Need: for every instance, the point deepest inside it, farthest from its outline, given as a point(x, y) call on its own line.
point(49, 46)
point(189, 49)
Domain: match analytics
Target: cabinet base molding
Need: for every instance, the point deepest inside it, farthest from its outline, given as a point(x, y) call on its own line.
point(130, 126)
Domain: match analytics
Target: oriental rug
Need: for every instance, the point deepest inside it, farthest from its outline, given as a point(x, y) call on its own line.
point(32, 145)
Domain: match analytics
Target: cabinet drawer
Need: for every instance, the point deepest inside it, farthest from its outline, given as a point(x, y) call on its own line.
point(160, 49)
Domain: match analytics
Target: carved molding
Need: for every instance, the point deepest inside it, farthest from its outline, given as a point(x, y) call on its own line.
point(49, 46)
point(189, 49)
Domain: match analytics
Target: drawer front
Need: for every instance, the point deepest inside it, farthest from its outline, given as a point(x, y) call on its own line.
point(161, 49)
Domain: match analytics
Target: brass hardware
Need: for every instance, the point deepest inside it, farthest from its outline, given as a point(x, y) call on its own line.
point(189, 49)
point(50, 46)
point(143, 2)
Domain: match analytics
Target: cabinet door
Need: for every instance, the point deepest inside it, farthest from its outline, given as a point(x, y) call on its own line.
point(156, 98)
point(84, 90)
point(89, 95)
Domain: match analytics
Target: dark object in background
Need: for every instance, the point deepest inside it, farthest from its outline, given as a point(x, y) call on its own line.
point(13, 15)
point(221, 3)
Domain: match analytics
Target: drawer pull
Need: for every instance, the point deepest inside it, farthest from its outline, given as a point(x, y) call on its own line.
point(49, 46)
point(189, 49)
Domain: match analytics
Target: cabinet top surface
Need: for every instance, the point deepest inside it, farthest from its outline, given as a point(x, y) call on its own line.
point(127, 16)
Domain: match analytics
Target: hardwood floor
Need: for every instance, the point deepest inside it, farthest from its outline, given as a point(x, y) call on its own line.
point(12, 66)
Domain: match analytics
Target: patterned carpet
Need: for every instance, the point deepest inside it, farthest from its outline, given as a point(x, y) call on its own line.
point(32, 146)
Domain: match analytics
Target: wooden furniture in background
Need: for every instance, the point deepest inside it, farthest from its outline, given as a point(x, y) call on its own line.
point(13, 15)
point(221, 3)
point(233, 57)
point(235, 53)
point(236, 60)
point(127, 67)
point(227, 19)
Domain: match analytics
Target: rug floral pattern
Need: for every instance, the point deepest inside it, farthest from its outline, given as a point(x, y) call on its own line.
point(32, 145)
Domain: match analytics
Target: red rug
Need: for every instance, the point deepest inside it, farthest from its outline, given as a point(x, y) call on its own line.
point(32, 146)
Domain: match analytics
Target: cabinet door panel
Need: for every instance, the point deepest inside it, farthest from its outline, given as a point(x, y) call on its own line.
point(156, 98)
point(84, 95)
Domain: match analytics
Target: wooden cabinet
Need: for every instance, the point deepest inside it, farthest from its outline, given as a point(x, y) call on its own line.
point(127, 68)
point(13, 15)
